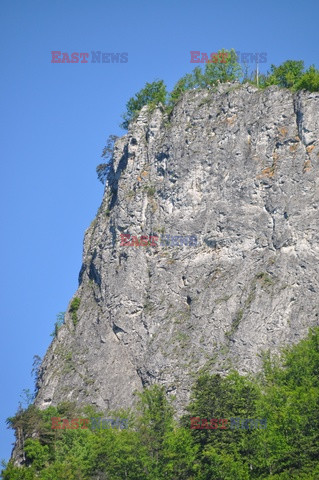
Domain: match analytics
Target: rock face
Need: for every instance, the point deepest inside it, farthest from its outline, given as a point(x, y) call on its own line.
point(238, 168)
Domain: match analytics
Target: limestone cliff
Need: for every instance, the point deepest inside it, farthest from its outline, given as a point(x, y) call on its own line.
point(238, 168)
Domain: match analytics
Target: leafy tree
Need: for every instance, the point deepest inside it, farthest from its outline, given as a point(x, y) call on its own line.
point(36, 453)
point(217, 397)
point(187, 82)
point(222, 466)
point(59, 322)
point(154, 422)
point(75, 305)
point(155, 447)
point(103, 169)
point(229, 71)
point(180, 455)
point(309, 80)
point(27, 398)
point(291, 405)
point(213, 73)
point(118, 455)
point(152, 94)
point(17, 473)
point(36, 372)
point(286, 75)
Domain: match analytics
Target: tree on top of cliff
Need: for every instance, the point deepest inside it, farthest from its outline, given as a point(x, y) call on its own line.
point(287, 74)
point(152, 94)
point(290, 74)
point(227, 71)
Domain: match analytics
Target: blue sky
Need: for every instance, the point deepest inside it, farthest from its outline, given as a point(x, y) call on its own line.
point(55, 119)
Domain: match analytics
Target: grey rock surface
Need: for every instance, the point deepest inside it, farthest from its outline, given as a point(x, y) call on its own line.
point(238, 168)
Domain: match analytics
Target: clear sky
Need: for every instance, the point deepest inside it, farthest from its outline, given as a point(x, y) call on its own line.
point(55, 119)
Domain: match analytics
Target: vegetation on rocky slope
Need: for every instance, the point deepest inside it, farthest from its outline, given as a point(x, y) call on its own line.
point(291, 74)
point(155, 446)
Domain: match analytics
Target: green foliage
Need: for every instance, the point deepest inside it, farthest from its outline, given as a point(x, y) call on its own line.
point(102, 172)
point(150, 190)
point(59, 322)
point(103, 169)
point(36, 454)
point(235, 323)
point(190, 80)
point(27, 397)
point(152, 94)
point(74, 308)
point(213, 73)
point(309, 80)
point(229, 71)
point(155, 446)
point(180, 455)
point(36, 372)
point(290, 74)
point(156, 418)
point(286, 75)
point(217, 397)
point(265, 278)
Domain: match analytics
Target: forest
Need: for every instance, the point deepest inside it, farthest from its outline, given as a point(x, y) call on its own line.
point(157, 445)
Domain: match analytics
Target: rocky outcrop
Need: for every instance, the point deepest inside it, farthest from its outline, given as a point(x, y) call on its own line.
point(238, 168)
